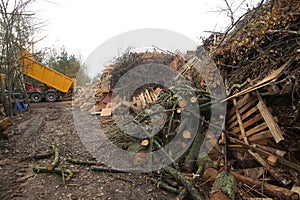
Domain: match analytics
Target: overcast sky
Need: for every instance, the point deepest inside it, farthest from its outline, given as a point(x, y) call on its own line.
point(81, 26)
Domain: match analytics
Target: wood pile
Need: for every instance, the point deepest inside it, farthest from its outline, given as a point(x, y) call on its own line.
point(258, 154)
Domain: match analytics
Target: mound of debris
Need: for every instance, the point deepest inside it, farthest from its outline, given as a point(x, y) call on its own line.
point(257, 153)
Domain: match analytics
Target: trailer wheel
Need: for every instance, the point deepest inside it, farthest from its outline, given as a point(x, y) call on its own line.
point(51, 96)
point(36, 97)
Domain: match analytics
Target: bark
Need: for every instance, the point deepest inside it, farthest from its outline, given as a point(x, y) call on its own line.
point(224, 187)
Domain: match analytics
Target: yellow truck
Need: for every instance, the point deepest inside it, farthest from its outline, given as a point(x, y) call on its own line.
point(56, 84)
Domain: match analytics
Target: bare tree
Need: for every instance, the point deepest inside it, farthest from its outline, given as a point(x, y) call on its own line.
point(17, 28)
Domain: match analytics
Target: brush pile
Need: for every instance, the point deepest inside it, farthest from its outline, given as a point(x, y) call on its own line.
point(254, 146)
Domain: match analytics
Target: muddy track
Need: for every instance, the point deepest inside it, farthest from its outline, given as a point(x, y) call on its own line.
point(32, 134)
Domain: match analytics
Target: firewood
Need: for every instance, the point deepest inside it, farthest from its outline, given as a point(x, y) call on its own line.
point(269, 189)
point(191, 158)
point(182, 103)
point(224, 187)
point(193, 99)
point(145, 142)
point(56, 158)
point(186, 134)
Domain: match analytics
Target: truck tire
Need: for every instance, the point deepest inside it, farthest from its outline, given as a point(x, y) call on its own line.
point(51, 96)
point(36, 97)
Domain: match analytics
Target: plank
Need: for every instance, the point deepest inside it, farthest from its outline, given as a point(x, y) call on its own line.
point(256, 129)
point(250, 122)
point(264, 82)
point(240, 104)
point(244, 116)
point(106, 112)
point(249, 104)
point(273, 126)
point(260, 136)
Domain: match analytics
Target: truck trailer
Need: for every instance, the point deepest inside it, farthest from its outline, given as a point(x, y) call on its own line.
point(56, 84)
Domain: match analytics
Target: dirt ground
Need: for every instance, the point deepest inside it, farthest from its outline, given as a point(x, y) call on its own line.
point(32, 134)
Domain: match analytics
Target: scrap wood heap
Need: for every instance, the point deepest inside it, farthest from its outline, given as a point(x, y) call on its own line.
point(257, 155)
point(259, 59)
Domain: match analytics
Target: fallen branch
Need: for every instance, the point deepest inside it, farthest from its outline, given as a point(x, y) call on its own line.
point(224, 187)
point(189, 186)
point(67, 174)
point(81, 162)
point(105, 169)
point(56, 158)
point(269, 189)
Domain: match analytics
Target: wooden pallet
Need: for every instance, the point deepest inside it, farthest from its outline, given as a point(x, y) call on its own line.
point(250, 119)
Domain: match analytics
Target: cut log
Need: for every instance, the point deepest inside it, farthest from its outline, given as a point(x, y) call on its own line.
point(182, 103)
point(191, 158)
point(193, 99)
point(186, 134)
point(145, 142)
point(56, 158)
point(224, 187)
point(269, 189)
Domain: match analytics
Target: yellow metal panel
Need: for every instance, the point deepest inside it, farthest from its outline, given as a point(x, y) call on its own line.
point(43, 73)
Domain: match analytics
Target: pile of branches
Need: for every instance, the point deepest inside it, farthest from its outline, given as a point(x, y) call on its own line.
point(263, 40)
point(178, 121)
